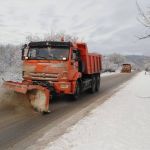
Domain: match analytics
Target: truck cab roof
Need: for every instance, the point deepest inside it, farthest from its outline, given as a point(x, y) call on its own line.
point(49, 43)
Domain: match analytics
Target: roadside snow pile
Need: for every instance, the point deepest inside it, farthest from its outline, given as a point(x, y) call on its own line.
point(109, 73)
point(6, 96)
point(121, 123)
point(9, 97)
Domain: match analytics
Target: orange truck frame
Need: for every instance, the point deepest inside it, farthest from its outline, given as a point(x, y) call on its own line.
point(52, 67)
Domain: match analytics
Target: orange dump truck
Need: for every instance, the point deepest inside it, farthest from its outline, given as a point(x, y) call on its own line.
point(126, 68)
point(51, 67)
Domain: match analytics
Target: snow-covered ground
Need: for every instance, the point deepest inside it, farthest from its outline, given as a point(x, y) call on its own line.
point(121, 123)
point(109, 73)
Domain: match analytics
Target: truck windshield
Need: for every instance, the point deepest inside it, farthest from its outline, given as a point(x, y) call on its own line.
point(48, 53)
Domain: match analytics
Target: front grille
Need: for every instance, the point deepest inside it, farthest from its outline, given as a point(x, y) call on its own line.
point(43, 76)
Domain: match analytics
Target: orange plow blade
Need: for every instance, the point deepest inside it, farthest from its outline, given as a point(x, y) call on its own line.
point(39, 96)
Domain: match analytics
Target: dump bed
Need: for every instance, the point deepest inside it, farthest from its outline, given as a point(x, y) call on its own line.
point(91, 61)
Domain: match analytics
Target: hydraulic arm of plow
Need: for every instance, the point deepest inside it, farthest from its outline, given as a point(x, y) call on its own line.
point(39, 96)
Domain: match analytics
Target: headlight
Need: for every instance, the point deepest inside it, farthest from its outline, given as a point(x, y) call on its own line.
point(65, 75)
point(64, 85)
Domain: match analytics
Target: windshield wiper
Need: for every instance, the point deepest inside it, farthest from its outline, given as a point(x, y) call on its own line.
point(49, 56)
point(41, 57)
point(53, 57)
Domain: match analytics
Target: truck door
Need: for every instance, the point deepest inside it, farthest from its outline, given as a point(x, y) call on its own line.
point(75, 62)
point(73, 71)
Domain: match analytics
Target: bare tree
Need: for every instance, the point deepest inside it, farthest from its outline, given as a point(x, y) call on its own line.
point(144, 19)
point(31, 37)
point(52, 37)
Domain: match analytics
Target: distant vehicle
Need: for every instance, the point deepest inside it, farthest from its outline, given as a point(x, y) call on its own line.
point(147, 70)
point(126, 68)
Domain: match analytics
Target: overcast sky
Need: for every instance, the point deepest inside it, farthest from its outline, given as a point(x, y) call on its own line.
point(106, 25)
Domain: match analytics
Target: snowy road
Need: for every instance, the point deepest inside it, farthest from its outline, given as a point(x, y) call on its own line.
point(121, 123)
point(20, 127)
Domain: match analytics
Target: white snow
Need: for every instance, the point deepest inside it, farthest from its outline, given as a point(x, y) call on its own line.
point(12, 74)
point(121, 123)
point(109, 74)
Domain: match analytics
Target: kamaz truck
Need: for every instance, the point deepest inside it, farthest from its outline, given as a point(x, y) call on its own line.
point(54, 68)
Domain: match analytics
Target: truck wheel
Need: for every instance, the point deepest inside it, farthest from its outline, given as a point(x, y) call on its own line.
point(93, 88)
point(77, 91)
point(98, 80)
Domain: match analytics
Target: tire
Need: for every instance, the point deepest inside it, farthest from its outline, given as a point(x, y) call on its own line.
point(98, 81)
point(45, 113)
point(54, 96)
point(93, 88)
point(75, 96)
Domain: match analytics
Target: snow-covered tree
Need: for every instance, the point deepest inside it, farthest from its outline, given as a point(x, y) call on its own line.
point(117, 59)
point(144, 19)
point(52, 37)
point(10, 57)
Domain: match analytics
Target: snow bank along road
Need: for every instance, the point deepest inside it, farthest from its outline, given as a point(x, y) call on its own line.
point(21, 127)
point(121, 123)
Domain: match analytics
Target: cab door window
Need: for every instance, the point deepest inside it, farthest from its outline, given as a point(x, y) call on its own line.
point(74, 55)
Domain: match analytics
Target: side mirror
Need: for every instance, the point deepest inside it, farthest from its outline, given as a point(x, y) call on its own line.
point(22, 56)
point(24, 52)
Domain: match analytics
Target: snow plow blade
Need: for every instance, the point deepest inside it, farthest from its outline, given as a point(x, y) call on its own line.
point(39, 96)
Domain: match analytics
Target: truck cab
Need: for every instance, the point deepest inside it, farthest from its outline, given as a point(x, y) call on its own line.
point(60, 66)
point(51, 64)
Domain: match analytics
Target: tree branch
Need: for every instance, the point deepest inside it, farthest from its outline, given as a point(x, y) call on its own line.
point(145, 20)
point(144, 37)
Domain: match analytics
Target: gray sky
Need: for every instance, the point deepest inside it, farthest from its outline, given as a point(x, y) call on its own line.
point(106, 25)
